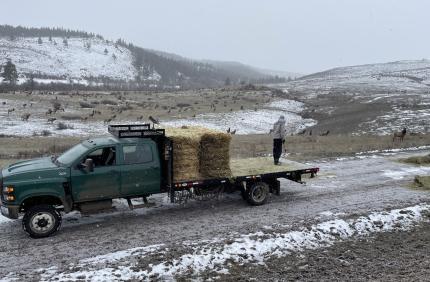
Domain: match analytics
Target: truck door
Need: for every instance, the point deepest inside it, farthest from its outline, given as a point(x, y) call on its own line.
point(103, 182)
point(140, 169)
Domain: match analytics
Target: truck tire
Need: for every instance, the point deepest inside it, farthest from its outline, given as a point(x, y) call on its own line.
point(41, 221)
point(258, 193)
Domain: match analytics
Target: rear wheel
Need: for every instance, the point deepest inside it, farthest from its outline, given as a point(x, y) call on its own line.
point(257, 193)
point(41, 221)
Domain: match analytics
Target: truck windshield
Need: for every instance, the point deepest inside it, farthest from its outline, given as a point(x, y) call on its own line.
point(72, 154)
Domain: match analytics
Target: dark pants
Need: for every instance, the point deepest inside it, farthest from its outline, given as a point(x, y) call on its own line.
point(277, 149)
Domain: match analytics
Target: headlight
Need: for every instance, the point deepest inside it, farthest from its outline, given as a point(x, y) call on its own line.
point(10, 198)
point(8, 189)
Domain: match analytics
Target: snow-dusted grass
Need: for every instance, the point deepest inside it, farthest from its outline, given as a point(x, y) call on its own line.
point(245, 122)
point(72, 61)
point(218, 254)
point(250, 122)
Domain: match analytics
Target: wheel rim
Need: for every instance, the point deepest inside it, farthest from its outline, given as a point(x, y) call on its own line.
point(259, 193)
point(42, 222)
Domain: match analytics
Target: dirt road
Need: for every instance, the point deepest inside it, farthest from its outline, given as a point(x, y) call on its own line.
point(345, 188)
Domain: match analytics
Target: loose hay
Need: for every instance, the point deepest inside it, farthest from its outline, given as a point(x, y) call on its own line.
point(419, 160)
point(422, 182)
point(255, 166)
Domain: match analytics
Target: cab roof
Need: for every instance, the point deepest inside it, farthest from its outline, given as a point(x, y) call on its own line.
point(111, 140)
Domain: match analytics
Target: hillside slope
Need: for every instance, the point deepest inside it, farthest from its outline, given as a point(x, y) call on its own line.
point(411, 75)
point(76, 58)
point(65, 56)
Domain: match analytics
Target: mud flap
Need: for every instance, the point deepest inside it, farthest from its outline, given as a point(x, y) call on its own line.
point(275, 187)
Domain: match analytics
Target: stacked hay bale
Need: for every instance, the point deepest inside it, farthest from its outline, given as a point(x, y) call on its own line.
point(186, 148)
point(215, 154)
point(199, 153)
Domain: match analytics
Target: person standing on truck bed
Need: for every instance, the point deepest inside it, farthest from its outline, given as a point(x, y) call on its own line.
point(278, 133)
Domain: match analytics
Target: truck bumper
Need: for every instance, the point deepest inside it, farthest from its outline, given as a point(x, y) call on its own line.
point(11, 212)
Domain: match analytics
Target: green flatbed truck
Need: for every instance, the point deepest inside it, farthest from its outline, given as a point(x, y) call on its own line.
point(135, 162)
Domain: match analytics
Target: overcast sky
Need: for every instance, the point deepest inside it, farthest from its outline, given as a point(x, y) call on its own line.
point(301, 35)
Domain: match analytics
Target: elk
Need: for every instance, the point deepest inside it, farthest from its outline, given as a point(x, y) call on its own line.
point(302, 132)
point(51, 120)
point(48, 112)
point(10, 111)
point(325, 133)
point(25, 116)
point(154, 120)
point(399, 135)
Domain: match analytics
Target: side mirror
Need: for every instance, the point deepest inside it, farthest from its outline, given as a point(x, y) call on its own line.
point(89, 165)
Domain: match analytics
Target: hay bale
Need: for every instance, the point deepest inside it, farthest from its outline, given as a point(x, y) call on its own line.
point(215, 154)
point(186, 148)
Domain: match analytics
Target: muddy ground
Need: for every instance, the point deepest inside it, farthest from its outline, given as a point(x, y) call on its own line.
point(347, 187)
point(391, 256)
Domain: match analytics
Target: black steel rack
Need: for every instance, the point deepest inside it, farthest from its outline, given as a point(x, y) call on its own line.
point(135, 130)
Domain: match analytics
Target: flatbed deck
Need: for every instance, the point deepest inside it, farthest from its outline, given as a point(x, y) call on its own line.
point(262, 165)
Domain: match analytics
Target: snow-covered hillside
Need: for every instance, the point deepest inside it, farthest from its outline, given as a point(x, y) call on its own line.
point(394, 76)
point(79, 58)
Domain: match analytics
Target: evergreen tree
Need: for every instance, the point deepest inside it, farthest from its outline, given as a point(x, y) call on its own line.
point(114, 57)
point(50, 38)
point(227, 81)
point(9, 73)
point(106, 51)
point(65, 42)
point(39, 40)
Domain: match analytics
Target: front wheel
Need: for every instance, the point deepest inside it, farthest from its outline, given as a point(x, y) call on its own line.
point(41, 221)
point(257, 193)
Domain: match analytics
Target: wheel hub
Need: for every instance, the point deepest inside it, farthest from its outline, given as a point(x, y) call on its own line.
point(42, 222)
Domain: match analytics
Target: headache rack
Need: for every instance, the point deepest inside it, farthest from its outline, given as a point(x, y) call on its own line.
point(135, 130)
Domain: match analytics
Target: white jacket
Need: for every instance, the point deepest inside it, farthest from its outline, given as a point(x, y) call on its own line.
point(278, 131)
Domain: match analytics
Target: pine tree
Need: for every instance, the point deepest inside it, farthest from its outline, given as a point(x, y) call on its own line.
point(50, 38)
point(106, 51)
point(113, 56)
point(39, 40)
point(227, 81)
point(9, 73)
point(65, 42)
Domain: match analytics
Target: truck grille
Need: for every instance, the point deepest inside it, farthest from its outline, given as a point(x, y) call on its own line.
point(1, 186)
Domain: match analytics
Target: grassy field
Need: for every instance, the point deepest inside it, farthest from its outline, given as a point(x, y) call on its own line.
point(299, 148)
point(133, 105)
point(315, 147)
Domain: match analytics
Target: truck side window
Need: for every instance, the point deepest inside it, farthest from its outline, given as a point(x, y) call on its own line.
point(137, 154)
point(102, 157)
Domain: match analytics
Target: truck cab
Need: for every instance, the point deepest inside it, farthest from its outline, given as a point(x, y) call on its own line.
point(94, 170)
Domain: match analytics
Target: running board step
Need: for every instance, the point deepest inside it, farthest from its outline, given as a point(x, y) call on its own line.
point(145, 205)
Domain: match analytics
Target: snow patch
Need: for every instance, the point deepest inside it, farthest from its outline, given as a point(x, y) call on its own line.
point(217, 255)
point(251, 122)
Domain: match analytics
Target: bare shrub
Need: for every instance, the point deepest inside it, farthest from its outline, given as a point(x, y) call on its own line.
point(56, 105)
point(63, 126)
point(86, 105)
point(70, 117)
point(108, 102)
point(45, 133)
point(183, 105)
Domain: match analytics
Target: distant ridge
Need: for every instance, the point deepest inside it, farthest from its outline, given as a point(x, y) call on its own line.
point(57, 55)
